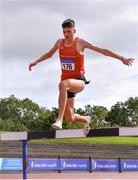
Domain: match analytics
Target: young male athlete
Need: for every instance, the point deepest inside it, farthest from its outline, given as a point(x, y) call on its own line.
point(71, 53)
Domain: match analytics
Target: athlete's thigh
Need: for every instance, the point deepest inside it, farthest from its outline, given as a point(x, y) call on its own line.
point(69, 110)
point(74, 85)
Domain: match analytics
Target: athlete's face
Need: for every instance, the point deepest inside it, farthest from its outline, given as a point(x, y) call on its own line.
point(68, 32)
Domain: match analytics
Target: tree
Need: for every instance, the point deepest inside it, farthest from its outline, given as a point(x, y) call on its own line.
point(47, 118)
point(25, 115)
point(21, 115)
point(98, 115)
point(124, 114)
point(118, 116)
point(132, 110)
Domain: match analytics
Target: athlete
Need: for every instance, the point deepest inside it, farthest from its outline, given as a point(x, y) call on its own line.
point(71, 52)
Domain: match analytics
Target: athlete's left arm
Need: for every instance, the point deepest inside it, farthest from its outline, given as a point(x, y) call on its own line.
point(106, 52)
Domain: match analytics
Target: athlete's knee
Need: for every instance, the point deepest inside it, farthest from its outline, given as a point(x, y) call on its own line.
point(62, 85)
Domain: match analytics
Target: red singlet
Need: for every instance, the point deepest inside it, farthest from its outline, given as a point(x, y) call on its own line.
point(72, 63)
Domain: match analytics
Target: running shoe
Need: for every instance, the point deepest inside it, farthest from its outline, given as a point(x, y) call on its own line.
point(57, 124)
point(86, 125)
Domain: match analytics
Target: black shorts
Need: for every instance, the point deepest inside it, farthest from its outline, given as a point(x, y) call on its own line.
point(72, 94)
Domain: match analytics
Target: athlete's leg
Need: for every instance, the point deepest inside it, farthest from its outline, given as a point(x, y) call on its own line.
point(72, 85)
point(75, 86)
point(70, 115)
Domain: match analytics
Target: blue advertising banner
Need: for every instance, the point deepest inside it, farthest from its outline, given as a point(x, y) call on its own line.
point(105, 165)
point(11, 164)
point(43, 164)
point(74, 164)
point(38, 164)
point(129, 165)
point(1, 163)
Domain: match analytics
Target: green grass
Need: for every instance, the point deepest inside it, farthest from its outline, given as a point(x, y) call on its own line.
point(94, 140)
point(2, 132)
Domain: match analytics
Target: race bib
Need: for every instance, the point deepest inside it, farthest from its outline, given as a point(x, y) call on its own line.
point(68, 64)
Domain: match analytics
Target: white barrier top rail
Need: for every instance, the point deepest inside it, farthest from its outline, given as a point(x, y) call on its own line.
point(69, 133)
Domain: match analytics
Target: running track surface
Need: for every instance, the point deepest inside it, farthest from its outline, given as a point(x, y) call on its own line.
point(74, 175)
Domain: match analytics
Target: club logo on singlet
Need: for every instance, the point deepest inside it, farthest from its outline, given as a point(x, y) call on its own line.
point(68, 64)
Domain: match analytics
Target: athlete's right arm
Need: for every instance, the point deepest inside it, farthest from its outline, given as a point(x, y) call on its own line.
point(47, 55)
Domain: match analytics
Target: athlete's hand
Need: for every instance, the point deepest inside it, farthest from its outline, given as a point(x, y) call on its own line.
point(127, 61)
point(31, 65)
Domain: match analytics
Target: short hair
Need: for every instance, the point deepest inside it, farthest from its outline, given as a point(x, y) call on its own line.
point(68, 23)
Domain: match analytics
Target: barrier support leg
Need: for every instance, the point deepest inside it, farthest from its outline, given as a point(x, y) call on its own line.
point(24, 158)
point(90, 161)
point(120, 168)
point(59, 157)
